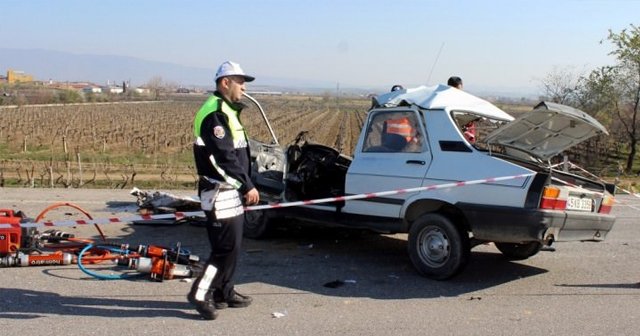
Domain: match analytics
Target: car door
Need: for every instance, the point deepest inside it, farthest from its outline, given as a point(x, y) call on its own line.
point(392, 153)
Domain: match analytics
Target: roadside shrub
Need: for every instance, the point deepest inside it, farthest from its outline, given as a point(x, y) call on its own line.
point(69, 96)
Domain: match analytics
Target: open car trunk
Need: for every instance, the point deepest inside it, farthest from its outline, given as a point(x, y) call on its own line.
point(547, 130)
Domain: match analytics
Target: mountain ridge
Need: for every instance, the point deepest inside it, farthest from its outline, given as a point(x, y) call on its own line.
point(61, 66)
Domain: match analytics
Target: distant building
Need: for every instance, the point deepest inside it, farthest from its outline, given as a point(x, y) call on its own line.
point(92, 89)
point(112, 89)
point(266, 93)
point(85, 87)
point(79, 86)
point(15, 76)
point(142, 90)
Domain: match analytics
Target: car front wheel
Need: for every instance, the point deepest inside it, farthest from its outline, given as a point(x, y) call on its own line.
point(437, 248)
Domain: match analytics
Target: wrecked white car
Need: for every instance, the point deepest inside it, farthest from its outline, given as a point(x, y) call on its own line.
point(434, 135)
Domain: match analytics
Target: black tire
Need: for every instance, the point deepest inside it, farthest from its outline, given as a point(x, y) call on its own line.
point(437, 248)
point(256, 224)
point(514, 251)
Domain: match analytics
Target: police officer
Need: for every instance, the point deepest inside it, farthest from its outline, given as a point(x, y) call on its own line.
point(222, 160)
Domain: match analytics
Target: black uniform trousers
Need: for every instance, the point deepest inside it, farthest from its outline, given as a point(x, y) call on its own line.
point(225, 238)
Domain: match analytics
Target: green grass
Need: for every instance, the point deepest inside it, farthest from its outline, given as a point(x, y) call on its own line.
point(110, 156)
point(104, 184)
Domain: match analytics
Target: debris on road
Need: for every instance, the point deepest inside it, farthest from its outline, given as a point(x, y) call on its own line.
point(278, 315)
point(160, 201)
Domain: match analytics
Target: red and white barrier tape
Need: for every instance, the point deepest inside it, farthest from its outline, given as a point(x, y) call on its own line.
point(573, 165)
point(110, 220)
point(180, 215)
point(387, 193)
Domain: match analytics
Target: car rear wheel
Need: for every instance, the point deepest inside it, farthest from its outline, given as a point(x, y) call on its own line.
point(437, 248)
point(514, 251)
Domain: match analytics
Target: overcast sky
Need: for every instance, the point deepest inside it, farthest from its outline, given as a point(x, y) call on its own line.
point(492, 45)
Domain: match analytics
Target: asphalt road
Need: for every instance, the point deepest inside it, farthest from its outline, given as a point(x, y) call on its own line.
point(580, 289)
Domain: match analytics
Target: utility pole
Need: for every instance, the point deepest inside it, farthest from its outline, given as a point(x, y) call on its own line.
point(338, 96)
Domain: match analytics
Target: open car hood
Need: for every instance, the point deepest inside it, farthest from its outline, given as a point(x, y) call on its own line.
point(547, 130)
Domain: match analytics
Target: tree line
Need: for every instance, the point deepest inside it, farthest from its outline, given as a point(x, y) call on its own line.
point(610, 93)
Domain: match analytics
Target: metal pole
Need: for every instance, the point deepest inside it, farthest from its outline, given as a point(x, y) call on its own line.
point(264, 116)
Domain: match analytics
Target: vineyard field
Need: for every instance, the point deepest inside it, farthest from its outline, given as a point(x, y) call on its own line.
point(149, 144)
point(118, 145)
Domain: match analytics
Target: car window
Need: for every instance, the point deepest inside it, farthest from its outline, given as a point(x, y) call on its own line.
point(474, 129)
point(394, 132)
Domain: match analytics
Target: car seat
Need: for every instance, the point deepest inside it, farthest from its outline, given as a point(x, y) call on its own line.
point(393, 142)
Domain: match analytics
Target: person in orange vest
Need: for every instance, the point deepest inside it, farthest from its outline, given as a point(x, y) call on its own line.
point(403, 128)
point(469, 129)
point(469, 132)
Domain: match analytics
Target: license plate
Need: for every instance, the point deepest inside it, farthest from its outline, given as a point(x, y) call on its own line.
point(580, 204)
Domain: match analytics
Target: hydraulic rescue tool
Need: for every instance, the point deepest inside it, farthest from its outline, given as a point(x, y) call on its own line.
point(162, 263)
point(21, 259)
point(21, 247)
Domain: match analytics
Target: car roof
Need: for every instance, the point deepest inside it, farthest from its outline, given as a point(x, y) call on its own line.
point(441, 97)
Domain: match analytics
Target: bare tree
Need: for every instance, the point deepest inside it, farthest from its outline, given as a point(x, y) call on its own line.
point(156, 86)
point(610, 93)
point(561, 85)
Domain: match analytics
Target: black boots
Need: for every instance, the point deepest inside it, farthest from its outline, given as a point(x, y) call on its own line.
point(201, 297)
point(236, 300)
point(206, 308)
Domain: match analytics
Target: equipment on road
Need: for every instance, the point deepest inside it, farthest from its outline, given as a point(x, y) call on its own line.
point(25, 246)
point(11, 238)
point(21, 259)
point(163, 263)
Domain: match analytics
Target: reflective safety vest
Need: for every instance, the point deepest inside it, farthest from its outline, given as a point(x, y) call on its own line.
point(238, 134)
point(401, 126)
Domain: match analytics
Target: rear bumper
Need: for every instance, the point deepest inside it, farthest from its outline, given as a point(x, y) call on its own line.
point(516, 225)
point(581, 226)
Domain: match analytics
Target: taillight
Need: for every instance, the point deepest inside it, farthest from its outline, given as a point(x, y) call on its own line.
point(551, 199)
point(607, 204)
